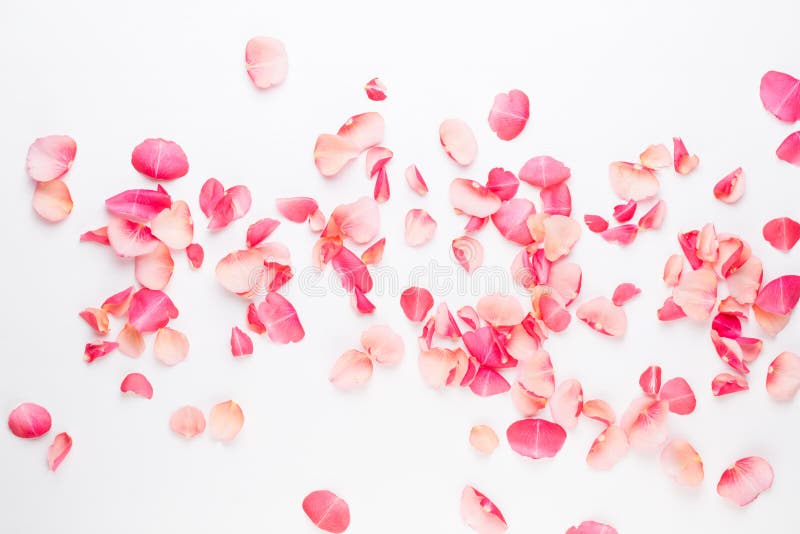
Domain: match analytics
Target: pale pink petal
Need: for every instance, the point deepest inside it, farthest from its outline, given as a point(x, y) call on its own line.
point(154, 269)
point(383, 344)
point(483, 439)
point(511, 220)
point(416, 303)
point(544, 171)
point(468, 252)
point(58, 450)
point(621, 235)
point(316, 222)
point(592, 527)
point(535, 374)
point(139, 204)
point(730, 305)
point(210, 195)
point(188, 422)
point(358, 221)
point(782, 233)
point(683, 162)
point(561, 234)
point(382, 191)
point(595, 223)
point(789, 149)
point(645, 423)
point(242, 272)
point(436, 366)
point(99, 235)
point(602, 315)
point(745, 480)
point(500, 310)
point(502, 183)
point(707, 246)
point(419, 227)
point(625, 212)
point(470, 316)
point(553, 314)
point(241, 344)
point(681, 463)
point(266, 61)
point(352, 370)
point(415, 180)
point(632, 181)
point(624, 292)
point(280, 319)
point(29, 420)
point(608, 449)
point(566, 403)
point(730, 188)
point(234, 204)
point(171, 347)
point(783, 376)
point(654, 217)
point(599, 410)
point(446, 325)
point(780, 94)
point(522, 344)
point(480, 513)
point(327, 511)
point(475, 223)
point(377, 159)
point(472, 198)
point(650, 380)
point(160, 159)
point(50, 157)
point(52, 201)
point(137, 384)
point(488, 382)
point(458, 141)
point(565, 278)
point(130, 239)
point(97, 349)
point(536, 438)
point(509, 114)
point(656, 157)
point(363, 131)
point(743, 285)
point(679, 396)
point(374, 253)
point(779, 296)
point(696, 293)
point(225, 420)
point(375, 90)
point(332, 153)
point(556, 199)
point(673, 269)
point(174, 226)
point(97, 319)
point(751, 348)
point(130, 341)
point(727, 383)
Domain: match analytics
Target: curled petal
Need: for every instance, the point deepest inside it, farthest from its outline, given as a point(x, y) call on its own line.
point(353, 273)
point(599, 410)
point(650, 380)
point(678, 395)
point(780, 94)
point(472, 198)
point(544, 171)
point(130, 239)
point(468, 252)
point(360, 302)
point(681, 463)
point(383, 344)
point(225, 420)
point(415, 180)
point(280, 319)
point(683, 162)
point(654, 217)
point(187, 421)
point(632, 181)
point(327, 511)
point(359, 221)
point(137, 384)
point(332, 153)
point(445, 323)
point(154, 269)
point(210, 195)
point(783, 376)
point(608, 449)
point(352, 370)
point(645, 423)
point(707, 247)
point(502, 183)
point(673, 269)
point(458, 141)
point(52, 201)
point(624, 292)
point(729, 352)
point(266, 61)
point(233, 205)
point(670, 311)
point(97, 319)
point(789, 149)
point(416, 303)
point(509, 114)
point(377, 159)
point(50, 157)
point(696, 293)
point(481, 514)
point(536, 438)
point(511, 220)
point(436, 366)
point(625, 212)
point(782, 233)
point(253, 321)
point(118, 303)
point(58, 450)
point(745, 480)
point(242, 272)
point(195, 253)
point(621, 235)
point(98, 349)
point(595, 223)
point(171, 347)
point(160, 159)
point(656, 157)
point(419, 228)
point(29, 420)
point(483, 439)
point(364, 130)
point(727, 383)
point(485, 345)
point(241, 344)
point(566, 403)
point(375, 90)
point(500, 310)
point(561, 234)
point(730, 188)
point(139, 204)
point(602, 315)
point(99, 235)
point(779, 296)
point(556, 200)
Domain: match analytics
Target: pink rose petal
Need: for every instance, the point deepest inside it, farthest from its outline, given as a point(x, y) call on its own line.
point(779, 296)
point(602, 315)
point(472, 198)
point(656, 157)
point(481, 514)
point(789, 149)
point(745, 480)
point(621, 235)
point(678, 395)
point(645, 423)
point(483, 439)
point(488, 382)
point(783, 376)
point(509, 114)
point(556, 199)
point(608, 449)
point(383, 344)
point(625, 212)
point(632, 181)
point(511, 220)
point(266, 61)
point(624, 292)
point(154, 269)
point(52, 200)
point(458, 141)
point(696, 293)
point(502, 183)
point(363, 131)
point(731, 187)
point(599, 410)
point(681, 463)
point(140, 205)
point(327, 511)
point(654, 217)
point(592, 527)
point(358, 221)
point(50, 157)
point(500, 310)
point(99, 236)
point(782, 233)
point(650, 380)
point(419, 227)
point(561, 234)
point(210, 195)
point(29, 420)
point(188, 422)
point(171, 347)
point(544, 171)
point(536, 438)
point(780, 94)
point(58, 450)
point(566, 403)
point(160, 159)
point(683, 162)
point(241, 344)
point(280, 319)
point(97, 349)
point(242, 272)
point(727, 383)
point(375, 90)
point(352, 370)
point(97, 319)
point(234, 204)
point(137, 384)
point(416, 303)
point(332, 153)
point(225, 421)
point(468, 252)
point(130, 239)
point(595, 223)
point(415, 180)
point(131, 341)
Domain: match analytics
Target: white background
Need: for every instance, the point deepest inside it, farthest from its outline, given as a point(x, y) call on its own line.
point(605, 80)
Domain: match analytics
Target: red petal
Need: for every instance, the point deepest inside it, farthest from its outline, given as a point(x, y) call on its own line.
point(645, 422)
point(727, 383)
point(415, 180)
point(622, 235)
point(511, 220)
point(556, 200)
point(150, 310)
point(624, 292)
point(188, 422)
point(375, 90)
point(502, 183)
point(679, 395)
point(783, 376)
point(624, 212)
point(416, 303)
point(731, 188)
point(241, 344)
point(419, 228)
point(544, 171)
point(595, 223)
point(280, 319)
point(472, 198)
point(608, 449)
point(789, 149)
point(266, 61)
point(654, 217)
point(481, 514)
point(779, 296)
point(782, 233)
point(631, 181)
point(536, 438)
point(745, 480)
point(29, 420)
point(160, 159)
point(50, 157)
point(327, 511)
point(488, 382)
point(780, 94)
point(602, 315)
point(650, 380)
point(683, 162)
point(566, 403)
point(52, 201)
point(458, 141)
point(656, 157)
point(696, 293)
point(483, 439)
point(98, 349)
point(681, 463)
point(130, 239)
point(58, 450)
point(225, 420)
point(138, 204)
point(509, 114)
point(138, 384)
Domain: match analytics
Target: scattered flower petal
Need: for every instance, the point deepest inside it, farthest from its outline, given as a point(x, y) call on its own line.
point(536, 438)
point(383, 344)
point(656, 157)
point(419, 228)
point(327, 511)
point(566, 403)
point(188, 422)
point(645, 423)
point(783, 376)
point(52, 201)
point(280, 319)
point(602, 315)
point(483, 439)
point(225, 420)
point(745, 480)
point(98, 349)
point(509, 114)
point(681, 463)
point(544, 171)
point(160, 159)
point(375, 90)
point(782, 233)
point(683, 162)
point(789, 149)
point(458, 141)
point(415, 180)
point(241, 344)
point(50, 157)
point(29, 420)
point(137, 384)
point(266, 61)
point(624, 292)
point(727, 383)
point(171, 347)
point(608, 449)
point(481, 514)
point(780, 94)
point(731, 188)
point(58, 450)
point(631, 181)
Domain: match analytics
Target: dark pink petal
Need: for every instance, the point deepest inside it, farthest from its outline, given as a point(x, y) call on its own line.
point(789, 149)
point(645, 423)
point(296, 209)
point(727, 383)
point(225, 420)
point(624, 292)
point(544, 171)
point(137, 384)
point(604, 316)
point(377, 159)
point(475, 223)
point(160, 159)
point(50, 157)
point(138, 204)
point(696, 293)
point(670, 311)
point(678, 395)
point(29, 420)
point(681, 463)
point(595, 223)
point(621, 235)
point(608, 448)
point(253, 321)
point(195, 254)
point(592, 527)
point(382, 191)
point(233, 205)
point(488, 382)
point(472, 198)
point(260, 230)
point(632, 181)
point(468, 252)
point(556, 200)
point(353, 273)
point(99, 235)
point(327, 511)
point(241, 344)
point(364, 130)
point(624, 212)
point(656, 157)
point(416, 303)
point(654, 217)
point(374, 253)
point(458, 141)
point(783, 376)
point(727, 325)
point(280, 319)
point(130, 239)
point(415, 180)
point(483, 343)
point(375, 90)
point(536, 438)
point(210, 195)
point(481, 514)
point(58, 450)
point(358, 221)
point(419, 227)
point(360, 302)
point(730, 188)
point(688, 243)
point(150, 310)
point(751, 348)
point(729, 352)
point(683, 162)
point(509, 114)
point(779, 296)
point(188, 422)
point(780, 94)
point(553, 314)
point(782, 233)
point(502, 183)
point(98, 349)
point(266, 61)
point(745, 480)
point(566, 403)
point(650, 380)
point(511, 220)
point(52, 200)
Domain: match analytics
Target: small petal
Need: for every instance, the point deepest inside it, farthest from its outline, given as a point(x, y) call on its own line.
point(483, 439)
point(458, 141)
point(592, 527)
point(171, 347)
point(650, 380)
point(678, 395)
point(730, 188)
point(654, 217)
point(488, 382)
point(327, 511)
point(789, 149)
point(97, 319)
point(131, 342)
point(234, 204)
point(416, 303)
point(375, 90)
point(99, 235)
point(683, 162)
point(137, 384)
point(352, 370)
point(188, 422)
point(266, 61)
point(544, 171)
point(98, 349)
point(783, 376)
point(415, 180)
point(745, 480)
point(556, 200)
point(625, 212)
point(196, 254)
point(536, 438)
point(509, 114)
point(419, 228)
point(241, 344)
point(656, 157)
point(673, 270)
point(210, 195)
point(561, 234)
point(50, 157)
point(52, 201)
point(225, 420)
point(599, 410)
point(780, 94)
point(681, 463)
point(602, 315)
point(363, 131)
point(160, 159)
point(29, 420)
point(374, 254)
point(595, 223)
point(58, 450)
point(624, 292)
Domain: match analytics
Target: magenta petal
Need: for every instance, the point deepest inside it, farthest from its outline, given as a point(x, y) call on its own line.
point(536, 438)
point(160, 159)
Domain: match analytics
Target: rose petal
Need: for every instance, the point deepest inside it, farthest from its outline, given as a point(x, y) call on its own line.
point(416, 303)
point(352, 370)
point(97, 319)
point(621, 235)
point(696, 293)
point(554, 315)
point(187, 421)
point(592, 527)
point(472, 198)
point(556, 199)
point(375, 90)
point(683, 162)
point(745, 480)
point(234, 204)
point(383, 344)
point(780, 94)
point(458, 141)
point(266, 61)
point(58, 450)
point(654, 217)
point(566, 403)
point(772, 323)
point(624, 212)
point(436, 366)
point(154, 269)
point(225, 420)
point(137, 384)
point(502, 183)
point(50, 157)
point(160, 159)
point(632, 181)
point(52, 201)
point(743, 285)
point(481, 514)
point(488, 382)
point(363, 131)
point(415, 180)
point(608, 449)
point(681, 463)
point(332, 153)
point(29, 420)
point(779, 296)
point(730, 188)
point(374, 253)
point(296, 209)
point(171, 347)
point(561, 234)
point(98, 349)
point(280, 319)
point(195, 254)
point(130, 239)
point(468, 252)
point(544, 171)
point(656, 157)
point(327, 511)
point(140, 205)
point(782, 233)
point(483, 439)
point(599, 410)
point(500, 310)
point(511, 220)
point(670, 311)
point(241, 344)
point(99, 235)
point(673, 270)
point(707, 247)
point(353, 273)
point(535, 374)
point(419, 227)
point(783, 376)
point(445, 323)
point(727, 383)
point(242, 272)
point(789, 149)
point(358, 221)
point(509, 114)
point(624, 292)
point(678, 395)
point(602, 315)
point(595, 223)
point(131, 341)
point(650, 380)
point(645, 423)
point(536, 438)
point(484, 345)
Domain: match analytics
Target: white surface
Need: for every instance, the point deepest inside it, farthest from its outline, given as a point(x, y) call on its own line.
point(605, 80)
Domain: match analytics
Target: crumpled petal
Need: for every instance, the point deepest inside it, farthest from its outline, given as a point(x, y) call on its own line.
point(29, 420)
point(383, 344)
point(681, 463)
point(536, 438)
point(187, 421)
point(727, 383)
point(419, 227)
point(280, 319)
point(131, 341)
point(654, 217)
point(745, 480)
point(458, 141)
point(481, 514)
point(602, 315)
point(783, 376)
point(509, 114)
point(327, 511)
point(625, 212)
point(160, 159)
point(50, 157)
point(52, 200)
point(225, 420)
point(780, 94)
point(137, 384)
point(58, 450)
point(266, 61)
point(353, 272)
point(683, 162)
point(632, 181)
point(97, 349)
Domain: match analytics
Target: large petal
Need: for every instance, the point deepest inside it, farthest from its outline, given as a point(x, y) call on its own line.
point(266, 61)
point(50, 157)
point(150, 310)
point(544, 171)
point(483, 439)
point(779, 296)
point(327, 511)
point(511, 220)
point(139, 204)
point(160, 159)
point(509, 114)
point(280, 319)
point(458, 141)
point(679, 395)
point(416, 303)
point(358, 221)
point(782, 233)
point(536, 438)
point(130, 239)
point(696, 293)
point(154, 269)
point(602, 315)
point(745, 480)
point(242, 272)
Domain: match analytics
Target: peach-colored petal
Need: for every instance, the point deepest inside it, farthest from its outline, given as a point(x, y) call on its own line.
point(58, 450)
point(602, 315)
point(375, 89)
point(696, 293)
point(727, 383)
point(137, 384)
point(383, 344)
point(130, 239)
point(140, 205)
point(731, 187)
point(358, 221)
point(544, 171)
point(650, 380)
point(608, 449)
point(783, 376)
point(561, 234)
point(656, 157)
point(353, 369)
point(483, 439)
point(707, 247)
point(632, 181)
point(645, 423)
point(536, 438)
point(266, 61)
point(654, 217)
point(97, 319)
point(52, 201)
point(332, 153)
point(188, 422)
point(509, 114)
point(419, 227)
point(458, 141)
point(480, 513)
point(780, 94)
point(154, 269)
point(771, 323)
point(97, 349)
point(621, 235)
point(681, 463)
point(745, 480)
point(160, 159)
point(436, 365)
point(526, 402)
point(511, 220)
point(377, 159)
point(743, 285)
point(241, 344)
point(789, 149)
point(150, 310)
point(118, 303)
point(225, 420)
point(500, 310)
point(472, 198)
point(327, 511)
point(782, 233)
point(415, 180)
point(624, 292)
point(599, 410)
point(556, 200)
point(566, 403)
point(174, 226)
point(364, 130)
point(171, 347)
point(374, 253)
point(678, 395)
point(29, 420)
point(780, 295)
point(468, 252)
point(50, 157)
point(242, 272)
point(280, 319)
point(673, 269)
point(683, 162)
